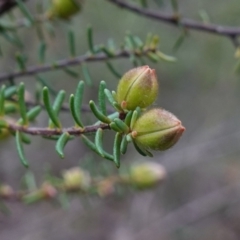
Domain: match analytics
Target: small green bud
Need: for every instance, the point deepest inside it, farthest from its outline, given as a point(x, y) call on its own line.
point(137, 88)
point(146, 174)
point(76, 178)
point(64, 8)
point(157, 129)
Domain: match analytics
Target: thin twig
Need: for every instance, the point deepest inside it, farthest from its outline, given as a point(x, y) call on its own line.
point(61, 64)
point(48, 132)
point(227, 31)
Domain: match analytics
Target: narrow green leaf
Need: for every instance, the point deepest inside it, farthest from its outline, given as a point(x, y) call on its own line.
point(25, 11)
point(21, 61)
point(20, 149)
point(86, 75)
point(133, 60)
point(71, 72)
point(149, 40)
point(78, 99)
point(42, 51)
point(139, 111)
point(112, 101)
point(99, 141)
point(73, 112)
point(22, 106)
point(33, 197)
point(114, 94)
point(116, 149)
point(107, 51)
point(129, 138)
point(50, 110)
point(61, 143)
point(25, 139)
point(50, 29)
point(2, 100)
point(165, 57)
point(133, 119)
point(117, 107)
point(128, 43)
point(174, 4)
point(138, 42)
point(114, 127)
point(59, 101)
point(111, 116)
point(11, 39)
point(54, 138)
point(111, 45)
point(153, 57)
point(128, 118)
point(92, 146)
point(98, 114)
point(123, 126)
point(179, 40)
point(154, 42)
point(102, 97)
point(33, 113)
point(141, 150)
point(45, 83)
point(10, 91)
point(7, 25)
point(30, 181)
point(204, 16)
point(71, 43)
point(40, 32)
point(90, 39)
point(113, 70)
point(17, 39)
point(10, 107)
point(109, 96)
point(124, 144)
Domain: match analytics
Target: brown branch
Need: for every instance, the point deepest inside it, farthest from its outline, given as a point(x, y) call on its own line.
point(231, 32)
point(61, 64)
point(48, 132)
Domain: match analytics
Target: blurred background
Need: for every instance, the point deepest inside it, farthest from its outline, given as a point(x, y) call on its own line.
point(200, 197)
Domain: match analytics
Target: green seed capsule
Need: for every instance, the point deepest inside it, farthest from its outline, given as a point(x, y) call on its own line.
point(137, 88)
point(64, 8)
point(157, 129)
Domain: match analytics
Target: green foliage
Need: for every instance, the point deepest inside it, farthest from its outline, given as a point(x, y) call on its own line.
point(18, 114)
